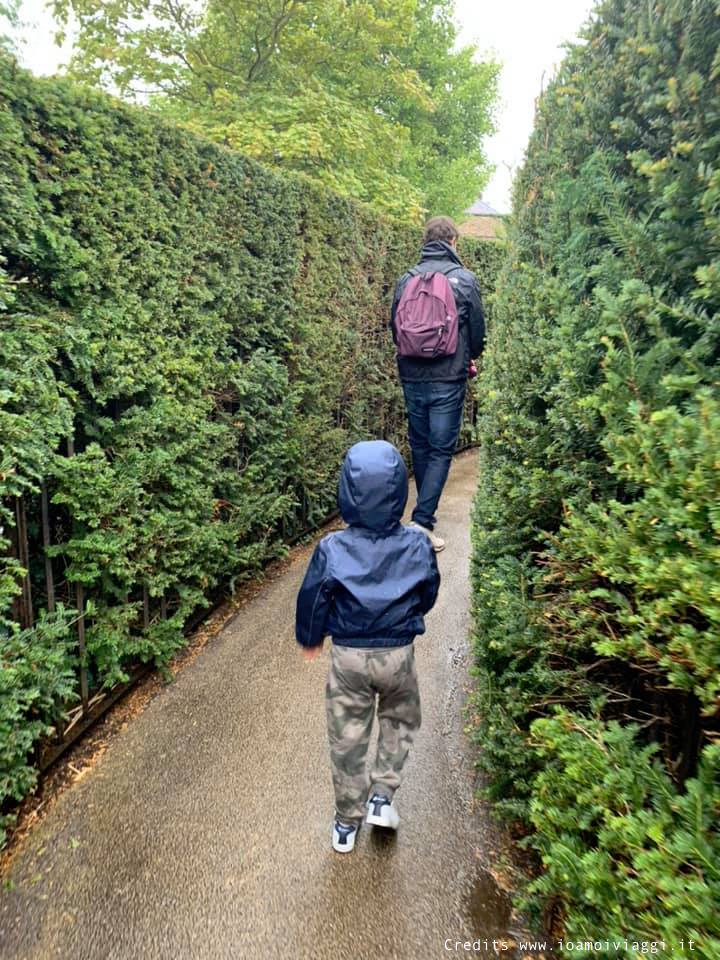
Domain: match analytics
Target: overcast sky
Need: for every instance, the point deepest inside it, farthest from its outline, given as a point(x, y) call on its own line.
point(526, 36)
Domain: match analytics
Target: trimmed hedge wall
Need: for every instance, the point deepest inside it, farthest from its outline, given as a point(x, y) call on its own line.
point(208, 336)
point(596, 525)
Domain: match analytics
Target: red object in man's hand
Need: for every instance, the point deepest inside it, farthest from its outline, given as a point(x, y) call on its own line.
point(472, 371)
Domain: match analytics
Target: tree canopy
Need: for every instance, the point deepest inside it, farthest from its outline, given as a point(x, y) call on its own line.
point(8, 21)
point(370, 97)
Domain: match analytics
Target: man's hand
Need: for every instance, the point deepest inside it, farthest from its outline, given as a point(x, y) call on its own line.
point(311, 653)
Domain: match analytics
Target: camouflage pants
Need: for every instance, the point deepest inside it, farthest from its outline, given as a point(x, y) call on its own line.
point(357, 676)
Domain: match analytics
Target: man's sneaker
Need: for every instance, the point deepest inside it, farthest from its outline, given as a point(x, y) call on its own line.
point(381, 812)
point(343, 837)
point(438, 543)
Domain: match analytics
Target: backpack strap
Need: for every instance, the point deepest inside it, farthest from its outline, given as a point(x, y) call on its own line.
point(455, 266)
point(416, 272)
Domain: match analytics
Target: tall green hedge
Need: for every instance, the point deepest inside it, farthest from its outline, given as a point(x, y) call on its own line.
point(206, 337)
point(597, 520)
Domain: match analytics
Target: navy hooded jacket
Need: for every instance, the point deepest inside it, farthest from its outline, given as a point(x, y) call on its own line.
point(369, 585)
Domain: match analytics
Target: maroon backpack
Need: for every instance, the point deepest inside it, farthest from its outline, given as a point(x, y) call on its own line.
point(426, 319)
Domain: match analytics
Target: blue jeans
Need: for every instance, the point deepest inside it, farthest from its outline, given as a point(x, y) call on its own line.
point(435, 412)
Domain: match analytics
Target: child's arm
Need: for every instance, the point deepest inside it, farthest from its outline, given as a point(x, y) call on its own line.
point(431, 584)
point(313, 600)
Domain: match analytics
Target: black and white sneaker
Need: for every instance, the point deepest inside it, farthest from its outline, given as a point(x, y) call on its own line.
point(343, 837)
point(381, 812)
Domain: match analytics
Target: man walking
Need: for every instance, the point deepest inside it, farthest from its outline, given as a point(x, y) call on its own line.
point(438, 327)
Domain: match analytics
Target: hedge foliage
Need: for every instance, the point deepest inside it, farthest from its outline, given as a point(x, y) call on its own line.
point(210, 336)
point(596, 524)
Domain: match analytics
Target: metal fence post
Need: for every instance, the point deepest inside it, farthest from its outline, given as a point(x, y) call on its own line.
point(23, 552)
point(80, 593)
point(49, 582)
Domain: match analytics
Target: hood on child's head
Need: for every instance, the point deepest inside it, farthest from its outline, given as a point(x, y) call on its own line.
point(373, 486)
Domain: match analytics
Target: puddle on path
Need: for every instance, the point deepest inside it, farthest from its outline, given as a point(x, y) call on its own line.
point(489, 913)
point(488, 907)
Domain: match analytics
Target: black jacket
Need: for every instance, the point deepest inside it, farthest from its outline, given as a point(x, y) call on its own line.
point(371, 584)
point(440, 256)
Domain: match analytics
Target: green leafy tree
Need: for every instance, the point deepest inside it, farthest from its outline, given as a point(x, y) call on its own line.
point(8, 22)
point(447, 134)
point(367, 96)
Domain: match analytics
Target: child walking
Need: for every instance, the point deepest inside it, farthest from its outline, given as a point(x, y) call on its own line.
point(369, 586)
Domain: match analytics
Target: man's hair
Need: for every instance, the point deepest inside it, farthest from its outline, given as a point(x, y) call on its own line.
point(440, 228)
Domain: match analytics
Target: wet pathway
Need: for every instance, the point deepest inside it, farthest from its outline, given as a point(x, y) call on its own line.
point(204, 831)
